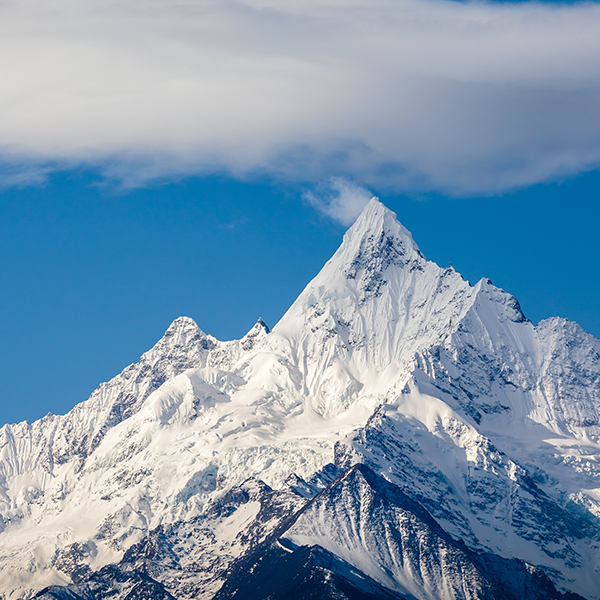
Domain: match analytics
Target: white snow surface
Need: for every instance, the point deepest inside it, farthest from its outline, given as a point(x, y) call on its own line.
point(382, 345)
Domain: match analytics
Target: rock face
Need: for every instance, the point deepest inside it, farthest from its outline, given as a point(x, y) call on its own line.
point(398, 434)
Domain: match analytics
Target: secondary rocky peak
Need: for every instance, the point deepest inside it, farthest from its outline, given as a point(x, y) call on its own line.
point(260, 323)
point(184, 331)
point(183, 325)
point(255, 335)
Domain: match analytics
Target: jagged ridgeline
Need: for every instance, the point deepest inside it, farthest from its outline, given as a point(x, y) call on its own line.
point(399, 434)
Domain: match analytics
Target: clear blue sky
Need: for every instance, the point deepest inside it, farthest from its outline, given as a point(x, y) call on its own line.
point(176, 159)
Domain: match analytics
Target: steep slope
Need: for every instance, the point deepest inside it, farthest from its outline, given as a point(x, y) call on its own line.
point(360, 538)
point(188, 558)
point(474, 490)
point(308, 572)
point(46, 493)
point(489, 423)
point(370, 523)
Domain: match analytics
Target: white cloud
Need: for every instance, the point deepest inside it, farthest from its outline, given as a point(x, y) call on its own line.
point(339, 198)
point(404, 94)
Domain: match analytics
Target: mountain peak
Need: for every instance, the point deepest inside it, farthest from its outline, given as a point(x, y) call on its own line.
point(376, 241)
point(375, 219)
point(376, 251)
point(377, 257)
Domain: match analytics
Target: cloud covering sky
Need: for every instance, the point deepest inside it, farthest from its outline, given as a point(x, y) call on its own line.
point(467, 98)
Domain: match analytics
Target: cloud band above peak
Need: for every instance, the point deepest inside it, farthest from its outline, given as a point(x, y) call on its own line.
point(406, 94)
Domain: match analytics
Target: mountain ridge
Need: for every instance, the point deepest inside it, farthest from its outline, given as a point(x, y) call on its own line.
point(489, 423)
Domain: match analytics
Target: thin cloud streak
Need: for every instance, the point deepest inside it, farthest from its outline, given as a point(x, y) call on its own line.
point(338, 198)
point(406, 94)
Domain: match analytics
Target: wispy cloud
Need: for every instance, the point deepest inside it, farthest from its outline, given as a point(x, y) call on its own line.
point(339, 198)
point(405, 94)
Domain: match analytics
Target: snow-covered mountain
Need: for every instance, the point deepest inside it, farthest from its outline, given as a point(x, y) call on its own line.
point(398, 434)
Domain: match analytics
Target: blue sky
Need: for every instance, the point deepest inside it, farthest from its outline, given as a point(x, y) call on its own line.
point(205, 159)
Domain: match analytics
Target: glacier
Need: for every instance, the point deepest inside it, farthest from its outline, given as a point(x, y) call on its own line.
point(399, 433)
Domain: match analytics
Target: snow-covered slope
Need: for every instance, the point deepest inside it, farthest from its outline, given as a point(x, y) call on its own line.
point(486, 422)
